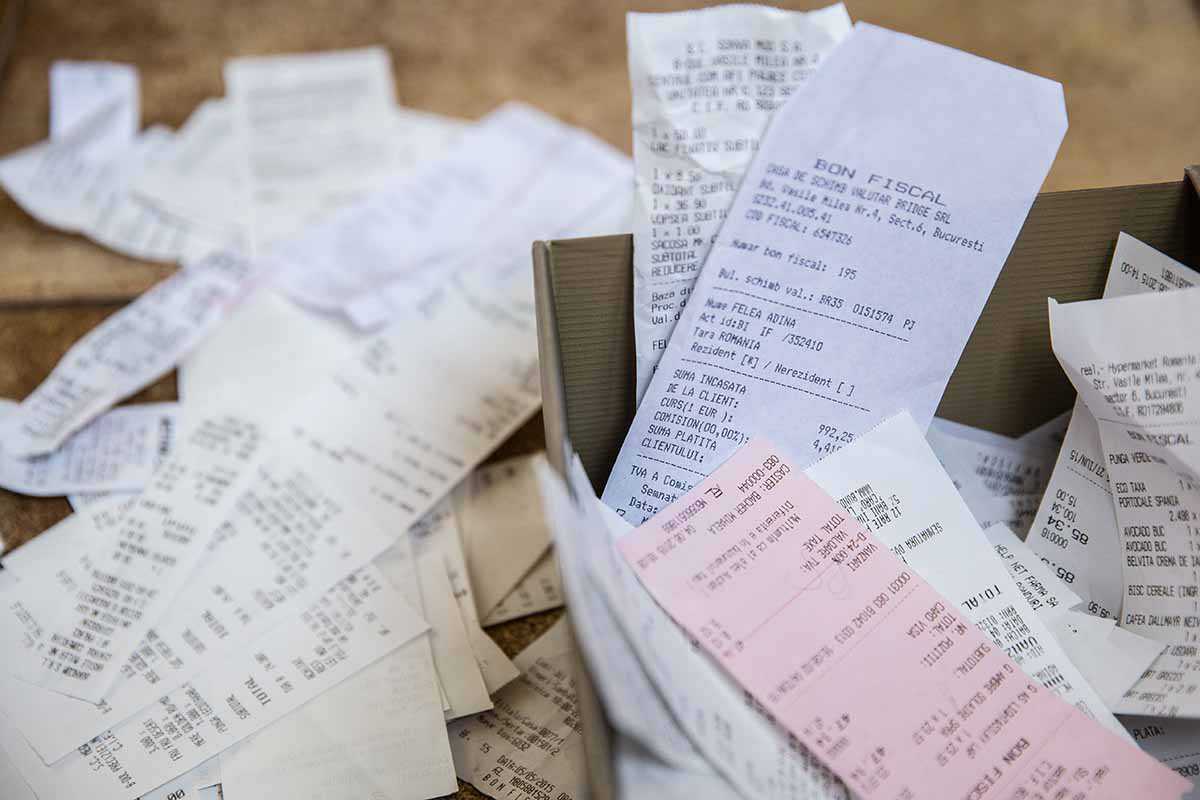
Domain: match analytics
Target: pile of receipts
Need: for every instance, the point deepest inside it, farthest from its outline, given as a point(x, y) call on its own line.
point(279, 584)
point(797, 583)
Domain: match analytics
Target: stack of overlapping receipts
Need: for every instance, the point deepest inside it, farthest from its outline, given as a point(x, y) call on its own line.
point(278, 585)
point(797, 584)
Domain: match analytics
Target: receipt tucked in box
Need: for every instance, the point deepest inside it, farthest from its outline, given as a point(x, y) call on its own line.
point(1007, 379)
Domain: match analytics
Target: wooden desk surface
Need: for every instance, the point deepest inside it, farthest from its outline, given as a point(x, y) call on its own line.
point(1130, 70)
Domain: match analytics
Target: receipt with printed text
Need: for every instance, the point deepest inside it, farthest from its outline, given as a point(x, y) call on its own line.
point(290, 535)
point(853, 264)
point(891, 482)
point(73, 631)
point(705, 83)
point(313, 133)
point(116, 452)
point(757, 558)
point(352, 626)
point(378, 734)
point(1075, 529)
point(530, 745)
point(129, 350)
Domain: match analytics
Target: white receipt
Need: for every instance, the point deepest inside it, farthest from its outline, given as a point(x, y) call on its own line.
point(265, 352)
point(12, 785)
point(854, 262)
point(530, 745)
point(891, 482)
point(437, 534)
point(58, 184)
point(380, 734)
point(1131, 362)
point(115, 452)
point(516, 163)
point(200, 179)
point(313, 131)
point(1174, 742)
point(290, 536)
point(1015, 466)
point(539, 590)
point(74, 629)
point(1075, 530)
point(1111, 658)
point(1045, 593)
point(1015, 511)
point(458, 673)
point(504, 530)
point(73, 534)
point(1134, 363)
point(79, 89)
point(353, 625)
point(705, 83)
point(129, 350)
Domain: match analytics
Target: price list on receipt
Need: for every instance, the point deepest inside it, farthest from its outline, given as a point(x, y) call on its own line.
point(855, 655)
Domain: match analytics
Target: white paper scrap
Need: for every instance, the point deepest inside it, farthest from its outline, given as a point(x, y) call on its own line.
point(58, 184)
point(438, 533)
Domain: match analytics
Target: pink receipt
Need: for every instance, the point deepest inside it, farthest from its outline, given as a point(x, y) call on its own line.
point(861, 660)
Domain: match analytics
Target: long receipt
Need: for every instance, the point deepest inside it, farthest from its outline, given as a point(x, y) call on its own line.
point(757, 561)
point(854, 262)
point(126, 352)
point(1133, 362)
point(1075, 530)
point(705, 83)
point(355, 624)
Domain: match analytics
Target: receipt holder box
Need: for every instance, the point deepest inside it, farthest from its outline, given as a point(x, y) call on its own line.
point(1007, 379)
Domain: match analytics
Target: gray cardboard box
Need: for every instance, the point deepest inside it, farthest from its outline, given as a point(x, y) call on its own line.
point(1007, 379)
